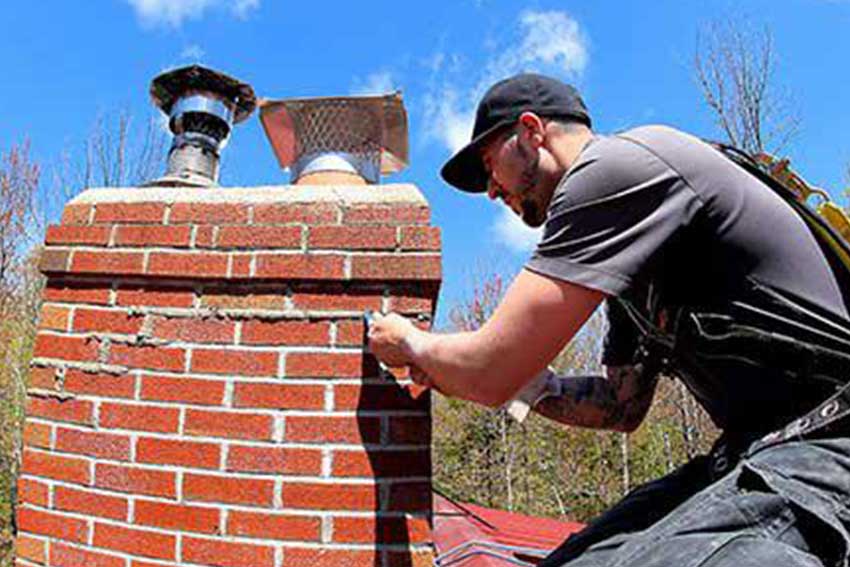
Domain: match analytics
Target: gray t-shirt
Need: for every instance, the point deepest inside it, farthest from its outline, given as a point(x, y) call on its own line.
point(654, 212)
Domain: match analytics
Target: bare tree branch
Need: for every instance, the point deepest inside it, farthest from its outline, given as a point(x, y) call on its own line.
point(735, 72)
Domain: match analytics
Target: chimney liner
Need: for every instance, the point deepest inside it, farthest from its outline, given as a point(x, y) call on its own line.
point(202, 105)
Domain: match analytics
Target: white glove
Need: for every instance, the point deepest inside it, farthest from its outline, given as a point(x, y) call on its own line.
point(542, 386)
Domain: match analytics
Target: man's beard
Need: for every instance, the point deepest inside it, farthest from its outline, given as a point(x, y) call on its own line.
point(528, 179)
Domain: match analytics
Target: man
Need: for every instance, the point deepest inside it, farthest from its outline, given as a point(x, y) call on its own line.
point(708, 275)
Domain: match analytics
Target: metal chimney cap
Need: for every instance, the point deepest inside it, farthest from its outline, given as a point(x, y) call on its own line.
point(169, 87)
point(369, 130)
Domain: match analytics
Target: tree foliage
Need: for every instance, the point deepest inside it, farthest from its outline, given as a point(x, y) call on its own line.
point(544, 468)
point(20, 285)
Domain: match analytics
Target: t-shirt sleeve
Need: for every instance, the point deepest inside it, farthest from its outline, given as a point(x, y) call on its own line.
point(611, 216)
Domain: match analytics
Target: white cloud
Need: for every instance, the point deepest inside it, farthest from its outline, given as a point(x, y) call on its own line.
point(194, 52)
point(447, 119)
point(172, 13)
point(509, 230)
point(550, 42)
point(380, 82)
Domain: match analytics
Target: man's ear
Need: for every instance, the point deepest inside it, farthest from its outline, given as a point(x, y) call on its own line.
point(532, 129)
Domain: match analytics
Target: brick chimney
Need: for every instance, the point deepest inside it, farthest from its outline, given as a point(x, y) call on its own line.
point(200, 394)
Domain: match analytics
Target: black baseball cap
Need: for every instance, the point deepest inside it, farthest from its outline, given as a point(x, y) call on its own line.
point(501, 106)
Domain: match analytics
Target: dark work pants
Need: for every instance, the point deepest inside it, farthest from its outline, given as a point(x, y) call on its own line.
point(783, 505)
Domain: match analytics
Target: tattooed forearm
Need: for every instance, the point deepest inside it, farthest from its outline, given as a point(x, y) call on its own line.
point(616, 401)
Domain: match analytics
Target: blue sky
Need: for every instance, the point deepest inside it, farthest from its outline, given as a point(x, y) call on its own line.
point(65, 62)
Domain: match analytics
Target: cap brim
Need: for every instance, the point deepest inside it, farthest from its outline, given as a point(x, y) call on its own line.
point(465, 170)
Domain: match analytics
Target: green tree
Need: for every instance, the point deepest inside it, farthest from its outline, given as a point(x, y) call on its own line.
point(544, 468)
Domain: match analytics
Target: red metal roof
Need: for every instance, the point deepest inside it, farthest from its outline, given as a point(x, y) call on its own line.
point(467, 535)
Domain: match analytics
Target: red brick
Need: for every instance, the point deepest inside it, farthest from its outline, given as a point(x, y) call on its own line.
point(141, 235)
point(54, 261)
point(43, 377)
point(31, 491)
point(107, 321)
point(31, 549)
point(207, 488)
point(352, 237)
point(228, 424)
point(328, 365)
point(65, 348)
point(64, 234)
point(377, 397)
point(307, 213)
point(62, 555)
point(139, 417)
point(410, 430)
point(208, 213)
point(387, 214)
point(90, 503)
point(154, 357)
point(321, 496)
point(333, 429)
point(301, 266)
point(384, 530)
point(279, 396)
point(204, 236)
point(53, 317)
point(136, 480)
point(76, 214)
point(410, 497)
point(77, 292)
point(237, 362)
point(259, 237)
point(52, 524)
point(276, 460)
point(323, 557)
point(336, 299)
point(226, 554)
point(93, 443)
point(107, 262)
point(273, 526)
point(350, 333)
point(419, 238)
point(194, 330)
point(101, 385)
point(156, 296)
point(74, 411)
point(227, 299)
point(382, 464)
point(189, 264)
point(177, 516)
point(183, 390)
point(373, 267)
point(286, 332)
point(240, 265)
point(177, 452)
point(412, 305)
point(36, 434)
point(129, 212)
point(135, 541)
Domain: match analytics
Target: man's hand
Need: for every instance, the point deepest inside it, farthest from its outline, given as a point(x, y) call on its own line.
point(388, 339)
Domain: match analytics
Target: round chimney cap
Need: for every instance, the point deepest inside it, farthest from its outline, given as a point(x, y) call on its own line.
point(172, 85)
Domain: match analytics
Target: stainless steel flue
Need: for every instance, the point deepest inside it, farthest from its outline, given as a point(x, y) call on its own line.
point(202, 106)
point(359, 136)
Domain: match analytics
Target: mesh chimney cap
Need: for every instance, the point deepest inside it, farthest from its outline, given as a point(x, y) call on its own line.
point(362, 134)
